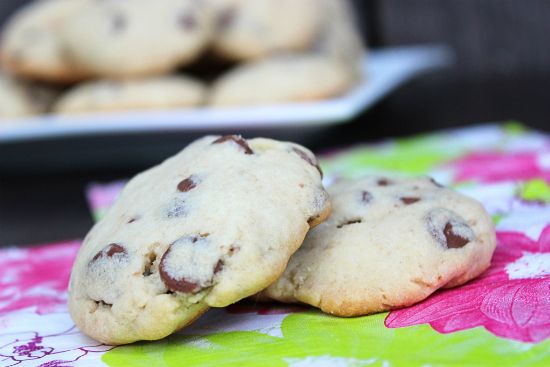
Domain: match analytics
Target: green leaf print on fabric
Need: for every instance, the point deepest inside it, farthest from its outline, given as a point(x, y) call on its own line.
point(535, 190)
point(314, 339)
point(513, 127)
point(414, 156)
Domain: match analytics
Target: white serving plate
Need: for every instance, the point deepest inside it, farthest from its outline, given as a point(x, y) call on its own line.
point(383, 70)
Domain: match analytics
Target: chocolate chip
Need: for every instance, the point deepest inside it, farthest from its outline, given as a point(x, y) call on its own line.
point(118, 22)
point(226, 18)
point(409, 200)
point(453, 240)
point(183, 284)
point(187, 21)
point(347, 223)
point(366, 197)
point(237, 139)
point(150, 260)
point(110, 251)
point(308, 159)
point(176, 285)
point(383, 182)
point(218, 267)
point(133, 219)
point(448, 228)
point(102, 304)
point(188, 184)
point(435, 182)
point(115, 249)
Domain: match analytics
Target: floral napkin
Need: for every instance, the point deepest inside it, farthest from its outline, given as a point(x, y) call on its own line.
point(501, 318)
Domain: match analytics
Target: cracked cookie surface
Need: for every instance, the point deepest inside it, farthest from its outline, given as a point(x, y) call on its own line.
point(213, 224)
point(389, 243)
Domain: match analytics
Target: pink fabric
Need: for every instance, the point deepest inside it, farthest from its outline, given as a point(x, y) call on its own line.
point(36, 277)
point(508, 307)
point(495, 166)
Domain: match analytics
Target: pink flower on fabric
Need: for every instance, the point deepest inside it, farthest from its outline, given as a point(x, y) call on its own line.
point(511, 299)
point(36, 277)
point(495, 166)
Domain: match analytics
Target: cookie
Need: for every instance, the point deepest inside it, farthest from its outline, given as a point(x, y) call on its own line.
point(31, 46)
point(138, 37)
point(339, 37)
point(20, 99)
point(247, 30)
point(388, 243)
point(136, 94)
point(207, 227)
point(282, 79)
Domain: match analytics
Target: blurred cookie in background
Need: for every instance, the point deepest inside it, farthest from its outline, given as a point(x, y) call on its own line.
point(20, 99)
point(328, 68)
point(150, 93)
point(253, 29)
point(282, 79)
point(31, 47)
point(131, 38)
point(339, 37)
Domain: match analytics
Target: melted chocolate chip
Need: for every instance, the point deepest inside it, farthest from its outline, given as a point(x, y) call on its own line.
point(435, 182)
point(366, 197)
point(383, 182)
point(133, 219)
point(183, 285)
point(237, 139)
point(188, 184)
point(347, 223)
point(102, 304)
point(409, 200)
point(187, 21)
point(226, 18)
point(176, 285)
point(150, 260)
point(453, 239)
point(109, 251)
point(218, 267)
point(115, 249)
point(308, 159)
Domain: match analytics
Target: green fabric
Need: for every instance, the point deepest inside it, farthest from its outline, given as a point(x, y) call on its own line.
point(317, 338)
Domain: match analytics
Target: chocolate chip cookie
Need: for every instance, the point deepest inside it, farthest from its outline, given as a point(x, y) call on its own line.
point(134, 94)
point(19, 98)
point(31, 46)
point(339, 38)
point(138, 37)
point(213, 224)
point(282, 79)
point(247, 30)
point(388, 243)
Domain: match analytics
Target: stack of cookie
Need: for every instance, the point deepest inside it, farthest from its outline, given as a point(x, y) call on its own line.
point(229, 218)
point(136, 54)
